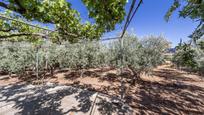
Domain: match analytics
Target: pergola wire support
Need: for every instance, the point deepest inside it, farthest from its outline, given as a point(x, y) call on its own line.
point(32, 25)
point(128, 20)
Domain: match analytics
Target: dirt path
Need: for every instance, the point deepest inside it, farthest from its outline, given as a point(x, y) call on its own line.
point(166, 91)
point(169, 74)
point(169, 91)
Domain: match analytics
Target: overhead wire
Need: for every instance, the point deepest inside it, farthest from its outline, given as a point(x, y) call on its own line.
point(32, 25)
point(136, 9)
point(127, 19)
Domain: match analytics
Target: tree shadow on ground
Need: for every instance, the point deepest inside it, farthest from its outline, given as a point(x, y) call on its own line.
point(169, 74)
point(113, 77)
point(73, 75)
point(175, 99)
point(108, 90)
point(110, 77)
point(108, 108)
point(84, 102)
point(90, 74)
point(31, 100)
point(34, 101)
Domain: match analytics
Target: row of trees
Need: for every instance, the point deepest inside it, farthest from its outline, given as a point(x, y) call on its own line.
point(139, 55)
point(190, 57)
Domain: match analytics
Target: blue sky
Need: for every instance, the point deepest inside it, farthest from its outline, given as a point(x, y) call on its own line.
point(149, 20)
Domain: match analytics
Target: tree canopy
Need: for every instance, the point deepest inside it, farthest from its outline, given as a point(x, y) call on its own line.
point(68, 22)
point(193, 9)
point(66, 19)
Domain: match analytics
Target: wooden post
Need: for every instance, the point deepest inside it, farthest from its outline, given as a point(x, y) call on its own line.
point(37, 63)
point(122, 92)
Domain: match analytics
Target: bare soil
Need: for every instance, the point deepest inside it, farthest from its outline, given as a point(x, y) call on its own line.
point(165, 91)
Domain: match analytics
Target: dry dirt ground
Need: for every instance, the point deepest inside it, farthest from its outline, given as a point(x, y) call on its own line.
point(165, 91)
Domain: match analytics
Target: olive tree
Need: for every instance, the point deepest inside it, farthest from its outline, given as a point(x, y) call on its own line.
point(16, 57)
